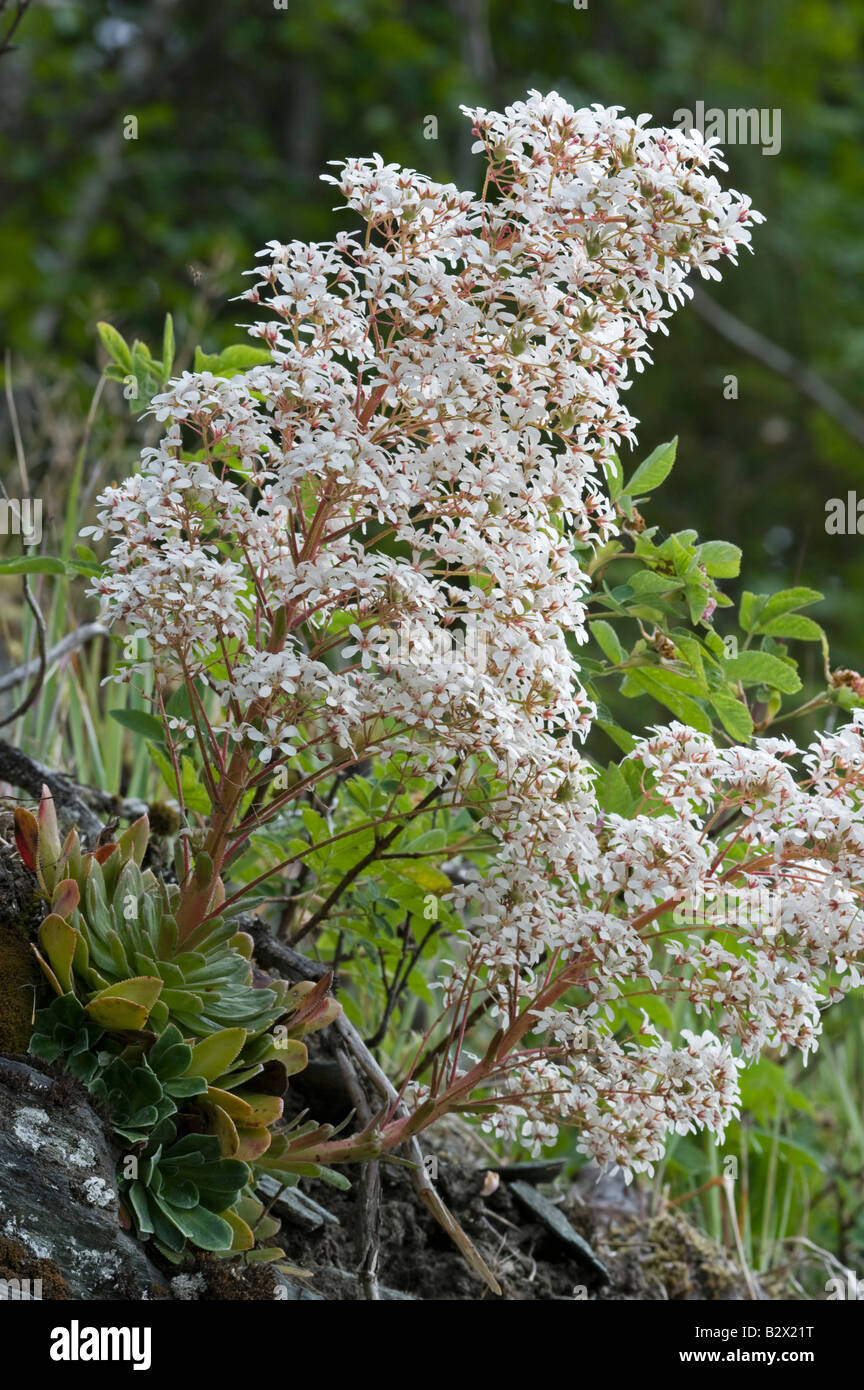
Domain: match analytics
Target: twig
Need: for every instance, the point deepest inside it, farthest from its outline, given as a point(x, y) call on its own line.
point(71, 643)
point(21, 8)
point(428, 1057)
point(356, 870)
point(272, 954)
point(397, 985)
point(777, 359)
point(370, 1206)
point(75, 803)
point(369, 1188)
point(41, 662)
point(22, 771)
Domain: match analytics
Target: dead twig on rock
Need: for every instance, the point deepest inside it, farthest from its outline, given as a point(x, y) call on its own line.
point(70, 643)
point(369, 1196)
point(271, 954)
point(76, 804)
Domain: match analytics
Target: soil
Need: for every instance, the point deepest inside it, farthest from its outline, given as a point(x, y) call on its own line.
point(18, 1263)
point(647, 1258)
point(20, 912)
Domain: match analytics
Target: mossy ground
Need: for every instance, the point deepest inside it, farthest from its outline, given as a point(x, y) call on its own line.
point(20, 978)
point(16, 1262)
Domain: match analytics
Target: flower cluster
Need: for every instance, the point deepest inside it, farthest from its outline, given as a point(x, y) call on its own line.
point(425, 451)
point(448, 386)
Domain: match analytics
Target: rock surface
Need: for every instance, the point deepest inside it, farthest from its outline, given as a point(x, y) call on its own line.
point(58, 1200)
point(554, 1221)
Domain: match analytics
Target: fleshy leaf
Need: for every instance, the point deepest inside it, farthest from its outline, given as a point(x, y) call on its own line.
point(58, 940)
point(213, 1055)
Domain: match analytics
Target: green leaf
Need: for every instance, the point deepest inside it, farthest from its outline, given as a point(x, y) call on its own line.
point(195, 794)
point(428, 840)
point(763, 1084)
point(670, 680)
point(117, 1014)
point(652, 472)
point(607, 640)
point(213, 1055)
point(87, 561)
point(207, 1230)
point(143, 990)
point(680, 552)
point(650, 582)
point(721, 559)
point(734, 716)
point(788, 599)
point(760, 668)
point(291, 1052)
point(335, 1179)
point(33, 564)
point(115, 345)
point(426, 877)
point(180, 703)
point(59, 939)
point(681, 705)
point(614, 475)
point(613, 793)
point(625, 741)
point(147, 725)
point(750, 609)
point(138, 1197)
point(168, 346)
point(657, 1009)
point(195, 797)
point(690, 650)
point(233, 360)
point(792, 625)
point(697, 595)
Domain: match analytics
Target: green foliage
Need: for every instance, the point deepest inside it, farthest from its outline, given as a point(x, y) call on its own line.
point(177, 1190)
point(376, 70)
point(655, 629)
point(64, 1032)
point(114, 928)
point(33, 564)
point(141, 375)
point(127, 1036)
point(143, 1092)
point(183, 1187)
point(232, 360)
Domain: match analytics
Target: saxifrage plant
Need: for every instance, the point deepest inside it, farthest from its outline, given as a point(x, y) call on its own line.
point(374, 545)
point(181, 1090)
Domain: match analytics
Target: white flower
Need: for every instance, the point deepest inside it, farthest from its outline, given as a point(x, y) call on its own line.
point(415, 462)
